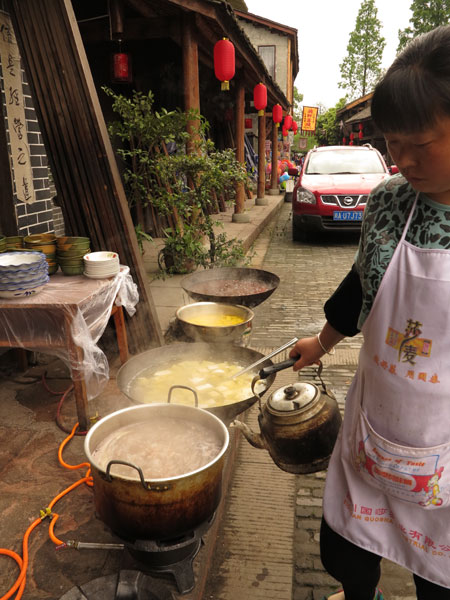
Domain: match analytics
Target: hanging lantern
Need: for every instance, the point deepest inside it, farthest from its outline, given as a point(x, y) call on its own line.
point(287, 122)
point(294, 127)
point(360, 133)
point(352, 136)
point(224, 63)
point(248, 124)
point(344, 141)
point(284, 131)
point(260, 98)
point(277, 114)
point(121, 67)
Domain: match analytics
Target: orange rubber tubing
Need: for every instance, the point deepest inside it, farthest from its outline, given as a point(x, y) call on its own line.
point(22, 562)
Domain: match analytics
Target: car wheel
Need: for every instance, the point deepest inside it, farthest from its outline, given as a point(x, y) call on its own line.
point(299, 234)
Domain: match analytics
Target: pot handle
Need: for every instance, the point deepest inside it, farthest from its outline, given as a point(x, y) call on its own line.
point(145, 485)
point(184, 387)
point(266, 371)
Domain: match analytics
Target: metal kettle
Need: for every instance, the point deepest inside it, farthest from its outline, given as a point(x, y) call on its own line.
point(299, 423)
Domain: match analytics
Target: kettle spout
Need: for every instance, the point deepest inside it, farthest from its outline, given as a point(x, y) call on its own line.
point(255, 439)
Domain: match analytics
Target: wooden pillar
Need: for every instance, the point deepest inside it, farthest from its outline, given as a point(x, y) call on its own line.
point(239, 208)
point(190, 70)
point(274, 189)
point(83, 164)
point(261, 191)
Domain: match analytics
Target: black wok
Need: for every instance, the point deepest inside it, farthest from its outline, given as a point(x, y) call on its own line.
point(191, 283)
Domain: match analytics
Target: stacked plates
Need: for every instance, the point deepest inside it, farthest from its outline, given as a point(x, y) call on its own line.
point(22, 273)
point(46, 243)
point(100, 265)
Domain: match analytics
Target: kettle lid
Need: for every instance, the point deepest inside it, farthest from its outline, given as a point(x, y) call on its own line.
point(293, 397)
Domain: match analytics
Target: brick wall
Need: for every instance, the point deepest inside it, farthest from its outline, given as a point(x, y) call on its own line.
point(42, 215)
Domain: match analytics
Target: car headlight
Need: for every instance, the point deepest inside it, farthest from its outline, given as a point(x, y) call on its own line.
point(304, 196)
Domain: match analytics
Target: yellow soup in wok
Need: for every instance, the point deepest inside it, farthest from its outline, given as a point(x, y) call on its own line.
point(211, 380)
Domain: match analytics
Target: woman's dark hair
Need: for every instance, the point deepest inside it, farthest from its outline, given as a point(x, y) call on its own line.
point(415, 90)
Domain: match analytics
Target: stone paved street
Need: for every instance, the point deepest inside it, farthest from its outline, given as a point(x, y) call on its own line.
point(309, 273)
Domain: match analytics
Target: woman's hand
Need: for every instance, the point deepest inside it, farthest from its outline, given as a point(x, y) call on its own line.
point(311, 349)
point(308, 351)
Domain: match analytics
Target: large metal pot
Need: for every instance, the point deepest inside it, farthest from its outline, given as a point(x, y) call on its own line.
point(138, 508)
point(165, 356)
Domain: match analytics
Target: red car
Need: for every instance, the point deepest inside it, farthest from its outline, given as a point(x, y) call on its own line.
point(332, 188)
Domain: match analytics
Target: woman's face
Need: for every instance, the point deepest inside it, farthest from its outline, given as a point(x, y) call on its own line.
point(424, 159)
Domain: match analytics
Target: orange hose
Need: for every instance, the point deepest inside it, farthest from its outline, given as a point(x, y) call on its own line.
point(22, 562)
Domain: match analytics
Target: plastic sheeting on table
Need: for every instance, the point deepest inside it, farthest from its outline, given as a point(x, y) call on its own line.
point(74, 306)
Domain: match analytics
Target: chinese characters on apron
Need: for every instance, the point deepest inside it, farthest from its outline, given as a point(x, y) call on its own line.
point(388, 484)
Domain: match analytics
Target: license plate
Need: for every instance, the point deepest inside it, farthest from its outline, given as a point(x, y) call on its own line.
point(347, 215)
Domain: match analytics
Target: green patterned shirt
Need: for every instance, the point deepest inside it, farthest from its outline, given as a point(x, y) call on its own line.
point(385, 217)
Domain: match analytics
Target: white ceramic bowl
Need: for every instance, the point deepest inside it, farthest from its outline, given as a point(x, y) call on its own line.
point(21, 285)
point(21, 293)
point(15, 261)
point(101, 258)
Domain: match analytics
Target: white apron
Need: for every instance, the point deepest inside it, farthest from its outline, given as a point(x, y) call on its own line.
point(388, 483)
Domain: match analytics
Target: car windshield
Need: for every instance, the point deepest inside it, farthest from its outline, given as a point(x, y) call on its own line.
point(342, 161)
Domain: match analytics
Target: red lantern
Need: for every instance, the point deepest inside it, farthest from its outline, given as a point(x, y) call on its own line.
point(121, 67)
point(277, 114)
point(344, 141)
point(360, 134)
point(352, 136)
point(224, 63)
point(294, 127)
point(260, 98)
point(360, 126)
point(284, 131)
point(287, 122)
point(248, 124)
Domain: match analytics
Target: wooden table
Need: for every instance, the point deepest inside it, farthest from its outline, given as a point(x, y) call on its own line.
point(67, 318)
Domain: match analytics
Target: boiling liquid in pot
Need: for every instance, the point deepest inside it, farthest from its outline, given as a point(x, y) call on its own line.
point(211, 380)
point(162, 447)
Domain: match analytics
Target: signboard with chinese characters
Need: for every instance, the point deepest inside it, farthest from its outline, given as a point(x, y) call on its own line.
point(15, 111)
point(309, 118)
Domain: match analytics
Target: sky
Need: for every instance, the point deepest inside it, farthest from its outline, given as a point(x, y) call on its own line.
point(324, 28)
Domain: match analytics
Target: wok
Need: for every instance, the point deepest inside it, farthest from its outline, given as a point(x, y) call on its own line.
point(191, 285)
point(165, 356)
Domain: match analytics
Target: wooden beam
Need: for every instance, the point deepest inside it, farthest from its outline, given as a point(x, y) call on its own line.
point(78, 145)
point(261, 188)
point(239, 141)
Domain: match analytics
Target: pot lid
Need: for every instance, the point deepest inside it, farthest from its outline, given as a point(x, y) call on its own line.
point(293, 397)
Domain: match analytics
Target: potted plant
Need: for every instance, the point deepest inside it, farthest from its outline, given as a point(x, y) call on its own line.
point(178, 172)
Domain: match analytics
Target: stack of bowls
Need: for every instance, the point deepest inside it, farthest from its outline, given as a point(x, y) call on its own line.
point(45, 243)
point(70, 252)
point(14, 242)
point(22, 273)
point(2, 243)
point(100, 265)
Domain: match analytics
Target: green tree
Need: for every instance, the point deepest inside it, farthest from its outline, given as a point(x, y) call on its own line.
point(328, 129)
point(361, 68)
point(297, 108)
point(426, 15)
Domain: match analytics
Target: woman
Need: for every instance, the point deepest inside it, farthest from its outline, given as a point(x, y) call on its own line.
point(388, 485)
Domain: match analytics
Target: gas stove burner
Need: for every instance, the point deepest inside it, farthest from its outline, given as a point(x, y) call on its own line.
point(174, 556)
point(126, 585)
